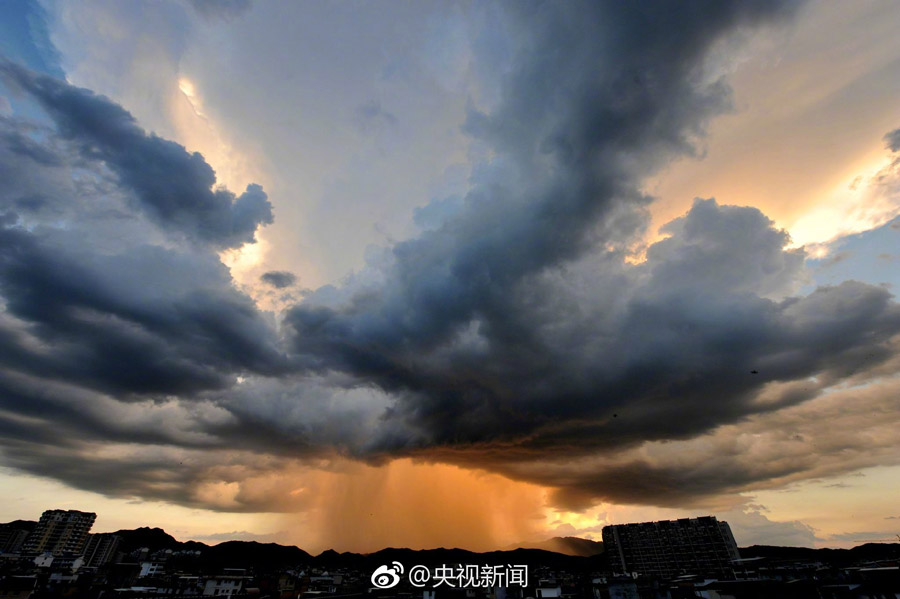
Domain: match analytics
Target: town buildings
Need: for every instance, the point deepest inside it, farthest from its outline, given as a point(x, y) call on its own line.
point(149, 564)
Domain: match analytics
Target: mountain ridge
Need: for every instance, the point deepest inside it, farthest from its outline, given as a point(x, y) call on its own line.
point(577, 551)
point(576, 546)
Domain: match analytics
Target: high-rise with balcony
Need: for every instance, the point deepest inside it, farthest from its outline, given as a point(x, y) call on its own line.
point(100, 549)
point(669, 548)
point(60, 532)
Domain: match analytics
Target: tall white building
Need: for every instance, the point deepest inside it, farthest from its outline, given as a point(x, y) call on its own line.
point(60, 532)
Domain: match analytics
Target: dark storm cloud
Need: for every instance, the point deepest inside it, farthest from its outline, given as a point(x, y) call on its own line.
point(479, 329)
point(819, 438)
point(516, 328)
point(279, 279)
point(511, 335)
point(172, 186)
point(77, 464)
point(93, 296)
point(112, 328)
point(149, 320)
point(60, 414)
point(22, 145)
point(619, 94)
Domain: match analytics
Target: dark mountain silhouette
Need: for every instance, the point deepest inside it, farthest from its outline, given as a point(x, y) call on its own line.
point(251, 554)
point(153, 539)
point(566, 545)
point(19, 525)
point(236, 554)
point(571, 553)
point(868, 551)
point(436, 557)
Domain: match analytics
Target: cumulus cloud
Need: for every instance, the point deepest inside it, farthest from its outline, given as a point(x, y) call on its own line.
point(753, 527)
point(871, 201)
point(171, 186)
point(109, 272)
point(516, 333)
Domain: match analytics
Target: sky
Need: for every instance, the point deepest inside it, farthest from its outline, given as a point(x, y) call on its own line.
point(356, 275)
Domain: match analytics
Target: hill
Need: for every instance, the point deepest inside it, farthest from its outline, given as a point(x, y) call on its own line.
point(19, 525)
point(566, 545)
point(235, 554)
point(866, 552)
point(154, 539)
point(436, 557)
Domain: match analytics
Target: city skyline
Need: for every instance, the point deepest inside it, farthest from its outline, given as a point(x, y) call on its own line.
point(452, 274)
point(690, 544)
point(670, 558)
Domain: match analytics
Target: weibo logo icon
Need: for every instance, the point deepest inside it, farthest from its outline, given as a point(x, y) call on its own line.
point(387, 577)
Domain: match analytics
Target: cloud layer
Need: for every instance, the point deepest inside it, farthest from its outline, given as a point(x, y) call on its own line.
point(521, 332)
